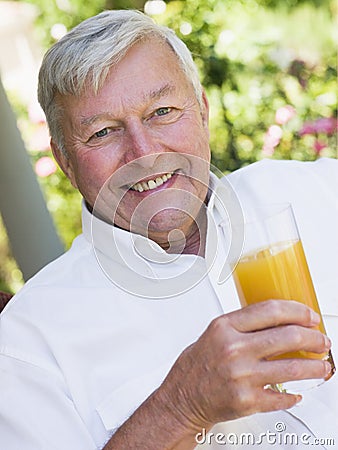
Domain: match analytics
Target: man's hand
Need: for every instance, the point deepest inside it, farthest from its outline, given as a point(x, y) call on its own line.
point(222, 376)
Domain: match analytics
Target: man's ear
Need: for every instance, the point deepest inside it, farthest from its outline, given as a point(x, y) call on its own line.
point(64, 162)
point(205, 110)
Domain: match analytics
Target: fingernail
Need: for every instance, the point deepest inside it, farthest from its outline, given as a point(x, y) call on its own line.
point(327, 343)
point(299, 398)
point(315, 318)
point(328, 367)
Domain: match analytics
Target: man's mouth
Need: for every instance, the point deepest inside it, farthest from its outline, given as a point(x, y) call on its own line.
point(150, 184)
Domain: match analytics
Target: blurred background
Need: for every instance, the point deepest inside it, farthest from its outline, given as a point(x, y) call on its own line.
point(269, 69)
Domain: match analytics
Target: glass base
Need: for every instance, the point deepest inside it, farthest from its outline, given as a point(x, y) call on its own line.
point(299, 386)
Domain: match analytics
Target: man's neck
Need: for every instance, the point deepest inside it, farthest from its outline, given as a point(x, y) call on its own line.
point(193, 243)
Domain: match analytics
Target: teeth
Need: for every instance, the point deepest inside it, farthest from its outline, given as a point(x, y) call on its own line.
point(139, 187)
point(151, 184)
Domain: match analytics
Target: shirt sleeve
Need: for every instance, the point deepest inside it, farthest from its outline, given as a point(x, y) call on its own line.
point(35, 411)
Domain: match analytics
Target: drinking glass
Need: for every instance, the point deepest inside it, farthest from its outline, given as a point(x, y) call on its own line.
point(273, 266)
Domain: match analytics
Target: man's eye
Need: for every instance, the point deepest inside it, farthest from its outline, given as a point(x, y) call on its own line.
point(162, 111)
point(101, 133)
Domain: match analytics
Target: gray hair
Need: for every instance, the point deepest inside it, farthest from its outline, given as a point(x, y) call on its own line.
point(85, 55)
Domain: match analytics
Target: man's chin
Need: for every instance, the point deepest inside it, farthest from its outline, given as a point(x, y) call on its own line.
point(155, 226)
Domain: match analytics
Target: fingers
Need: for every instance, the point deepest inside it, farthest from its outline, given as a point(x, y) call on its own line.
point(272, 313)
point(256, 398)
point(247, 401)
point(275, 401)
point(289, 338)
point(283, 370)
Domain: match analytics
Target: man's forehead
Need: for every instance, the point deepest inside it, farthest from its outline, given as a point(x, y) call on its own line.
point(134, 83)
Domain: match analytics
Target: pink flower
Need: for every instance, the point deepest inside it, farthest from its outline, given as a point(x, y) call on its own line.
point(326, 125)
point(284, 114)
point(318, 146)
point(307, 128)
point(275, 132)
point(35, 113)
point(45, 166)
point(271, 139)
point(268, 150)
point(40, 139)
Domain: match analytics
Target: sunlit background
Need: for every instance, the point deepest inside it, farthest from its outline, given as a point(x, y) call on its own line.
point(269, 69)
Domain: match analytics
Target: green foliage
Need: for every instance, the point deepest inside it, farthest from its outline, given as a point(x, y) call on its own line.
point(72, 12)
point(64, 203)
point(66, 12)
point(293, 3)
point(10, 275)
point(252, 62)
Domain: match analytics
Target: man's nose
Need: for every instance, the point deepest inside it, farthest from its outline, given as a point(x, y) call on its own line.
point(141, 144)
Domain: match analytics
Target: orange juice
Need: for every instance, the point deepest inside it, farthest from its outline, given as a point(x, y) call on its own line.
point(278, 272)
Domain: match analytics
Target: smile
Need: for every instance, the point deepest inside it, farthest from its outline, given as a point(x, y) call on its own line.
point(151, 184)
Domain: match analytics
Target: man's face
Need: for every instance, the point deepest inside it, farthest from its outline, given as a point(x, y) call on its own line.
point(144, 124)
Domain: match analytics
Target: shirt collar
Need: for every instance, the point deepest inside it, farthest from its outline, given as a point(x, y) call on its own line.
point(98, 232)
point(113, 245)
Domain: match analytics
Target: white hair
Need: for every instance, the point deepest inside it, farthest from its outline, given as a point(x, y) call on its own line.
point(84, 56)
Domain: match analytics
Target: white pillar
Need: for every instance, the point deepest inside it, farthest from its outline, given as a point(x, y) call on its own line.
point(30, 228)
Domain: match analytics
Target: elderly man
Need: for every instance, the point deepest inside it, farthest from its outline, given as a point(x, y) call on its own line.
point(134, 338)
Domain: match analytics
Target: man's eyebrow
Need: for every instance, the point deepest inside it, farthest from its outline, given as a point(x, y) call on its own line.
point(92, 119)
point(156, 94)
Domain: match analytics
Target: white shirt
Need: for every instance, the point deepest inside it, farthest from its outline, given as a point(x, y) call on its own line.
point(80, 349)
